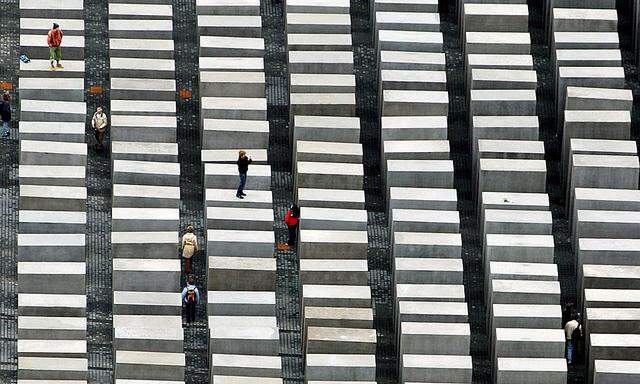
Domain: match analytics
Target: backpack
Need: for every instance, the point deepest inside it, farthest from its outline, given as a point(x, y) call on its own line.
point(191, 295)
point(576, 335)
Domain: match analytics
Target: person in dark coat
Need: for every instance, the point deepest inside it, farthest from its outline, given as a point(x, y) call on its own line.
point(5, 114)
point(243, 167)
point(292, 219)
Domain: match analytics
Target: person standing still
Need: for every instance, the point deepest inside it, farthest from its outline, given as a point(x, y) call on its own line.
point(99, 123)
point(571, 330)
point(292, 219)
point(5, 113)
point(191, 298)
point(189, 247)
point(54, 41)
point(243, 167)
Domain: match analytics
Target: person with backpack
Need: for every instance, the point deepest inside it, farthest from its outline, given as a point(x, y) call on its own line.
point(54, 41)
point(189, 248)
point(292, 219)
point(5, 114)
point(191, 298)
point(573, 333)
point(243, 167)
point(99, 124)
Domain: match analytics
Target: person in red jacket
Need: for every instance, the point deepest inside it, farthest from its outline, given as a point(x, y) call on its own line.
point(292, 219)
point(54, 41)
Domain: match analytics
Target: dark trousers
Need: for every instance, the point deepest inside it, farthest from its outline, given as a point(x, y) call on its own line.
point(243, 181)
point(187, 264)
point(191, 312)
point(99, 135)
point(293, 235)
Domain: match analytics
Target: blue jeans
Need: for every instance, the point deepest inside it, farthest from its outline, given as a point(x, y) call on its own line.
point(569, 351)
point(5, 128)
point(243, 181)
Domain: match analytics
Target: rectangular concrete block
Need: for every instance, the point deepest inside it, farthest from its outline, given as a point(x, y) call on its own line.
point(329, 175)
point(413, 128)
point(232, 84)
point(327, 152)
point(437, 312)
point(327, 128)
point(412, 41)
point(146, 173)
point(227, 198)
point(512, 175)
point(417, 244)
point(240, 243)
point(241, 273)
point(338, 317)
point(427, 271)
point(318, 244)
point(337, 367)
point(331, 340)
point(616, 371)
point(534, 370)
point(241, 303)
point(246, 365)
point(342, 296)
point(256, 335)
point(40, 221)
point(527, 316)
point(430, 292)
point(150, 275)
point(331, 198)
point(151, 196)
point(423, 198)
point(422, 220)
point(149, 303)
point(506, 221)
point(145, 244)
point(435, 338)
point(497, 43)
point(231, 218)
point(420, 173)
point(415, 103)
point(411, 60)
point(225, 176)
point(455, 368)
point(333, 219)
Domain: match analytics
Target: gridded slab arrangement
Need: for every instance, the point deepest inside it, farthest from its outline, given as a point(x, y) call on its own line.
point(339, 342)
point(52, 326)
point(600, 169)
point(522, 292)
point(147, 308)
point(431, 315)
point(244, 342)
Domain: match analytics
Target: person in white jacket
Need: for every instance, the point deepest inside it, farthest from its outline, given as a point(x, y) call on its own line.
point(99, 123)
point(189, 248)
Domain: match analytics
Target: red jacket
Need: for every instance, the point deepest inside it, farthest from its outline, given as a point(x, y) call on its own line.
point(290, 219)
point(54, 38)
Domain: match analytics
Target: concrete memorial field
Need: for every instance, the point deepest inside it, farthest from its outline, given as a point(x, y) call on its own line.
point(462, 176)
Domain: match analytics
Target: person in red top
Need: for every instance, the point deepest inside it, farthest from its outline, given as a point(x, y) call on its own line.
point(54, 40)
point(292, 219)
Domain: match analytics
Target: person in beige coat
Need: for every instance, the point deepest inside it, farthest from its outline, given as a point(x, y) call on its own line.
point(189, 247)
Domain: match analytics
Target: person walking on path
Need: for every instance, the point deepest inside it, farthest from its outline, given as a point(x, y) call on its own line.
point(189, 247)
point(243, 167)
point(572, 332)
point(5, 114)
point(292, 219)
point(54, 41)
point(99, 123)
point(191, 298)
